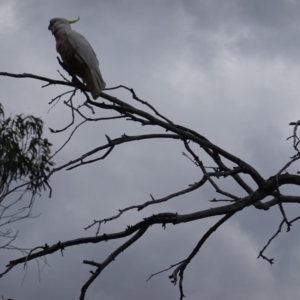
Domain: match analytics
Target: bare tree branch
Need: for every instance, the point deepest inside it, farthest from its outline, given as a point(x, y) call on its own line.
point(111, 258)
point(254, 188)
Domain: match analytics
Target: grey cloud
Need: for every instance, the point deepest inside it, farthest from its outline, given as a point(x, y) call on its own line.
point(228, 69)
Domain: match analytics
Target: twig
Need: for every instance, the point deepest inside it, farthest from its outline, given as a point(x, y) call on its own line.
point(135, 97)
point(73, 117)
point(162, 271)
point(181, 268)
point(110, 259)
point(153, 201)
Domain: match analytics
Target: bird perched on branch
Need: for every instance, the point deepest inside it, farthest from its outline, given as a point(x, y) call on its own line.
point(77, 54)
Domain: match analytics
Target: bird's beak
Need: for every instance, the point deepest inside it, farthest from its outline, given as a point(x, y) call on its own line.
point(49, 27)
point(73, 21)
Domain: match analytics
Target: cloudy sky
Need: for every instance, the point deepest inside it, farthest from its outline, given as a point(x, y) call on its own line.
point(227, 69)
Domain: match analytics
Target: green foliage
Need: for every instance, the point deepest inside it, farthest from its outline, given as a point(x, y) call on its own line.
point(24, 154)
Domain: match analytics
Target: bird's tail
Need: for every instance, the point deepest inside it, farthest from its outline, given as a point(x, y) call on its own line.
point(96, 83)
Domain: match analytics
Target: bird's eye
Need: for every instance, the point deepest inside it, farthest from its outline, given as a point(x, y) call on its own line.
point(51, 24)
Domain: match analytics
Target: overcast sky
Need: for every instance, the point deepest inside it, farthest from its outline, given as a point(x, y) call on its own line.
point(227, 69)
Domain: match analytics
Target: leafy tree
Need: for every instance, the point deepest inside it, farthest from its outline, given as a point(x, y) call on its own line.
point(24, 164)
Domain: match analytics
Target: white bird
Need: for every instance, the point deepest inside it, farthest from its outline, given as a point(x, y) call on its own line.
point(77, 54)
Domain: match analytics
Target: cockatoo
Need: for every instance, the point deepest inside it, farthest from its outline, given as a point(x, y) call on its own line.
point(77, 54)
